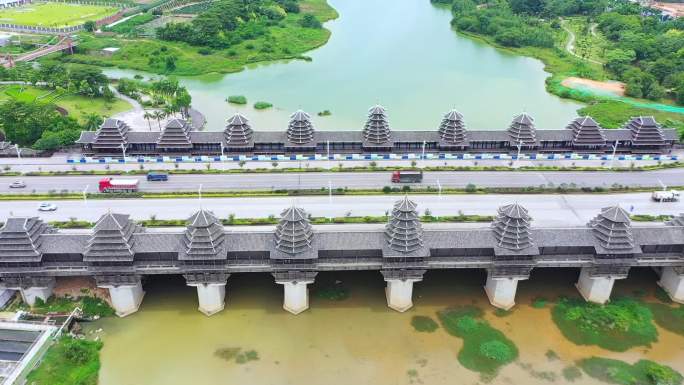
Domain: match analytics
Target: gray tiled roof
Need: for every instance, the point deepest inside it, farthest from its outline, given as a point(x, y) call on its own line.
point(376, 130)
point(678, 220)
point(403, 232)
point(300, 129)
point(21, 239)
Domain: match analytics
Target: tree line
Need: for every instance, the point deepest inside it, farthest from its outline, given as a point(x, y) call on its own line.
point(644, 50)
point(229, 22)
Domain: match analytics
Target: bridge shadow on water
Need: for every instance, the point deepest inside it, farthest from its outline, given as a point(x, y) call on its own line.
point(366, 289)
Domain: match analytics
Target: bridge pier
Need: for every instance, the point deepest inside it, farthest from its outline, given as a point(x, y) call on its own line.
point(596, 287)
point(296, 291)
point(211, 291)
point(672, 281)
point(399, 290)
point(126, 293)
point(501, 290)
point(31, 288)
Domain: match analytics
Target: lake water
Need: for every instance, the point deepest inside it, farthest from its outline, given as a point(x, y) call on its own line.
point(354, 341)
point(402, 54)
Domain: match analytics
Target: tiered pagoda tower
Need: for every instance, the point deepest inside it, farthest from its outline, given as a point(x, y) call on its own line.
point(203, 238)
point(377, 129)
point(112, 134)
point(112, 239)
point(300, 130)
point(512, 227)
point(176, 135)
point(404, 232)
point(452, 129)
point(293, 234)
point(238, 132)
point(586, 133)
point(613, 230)
point(20, 239)
point(522, 131)
point(646, 132)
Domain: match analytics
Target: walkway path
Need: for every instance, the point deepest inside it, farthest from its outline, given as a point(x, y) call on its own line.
point(570, 45)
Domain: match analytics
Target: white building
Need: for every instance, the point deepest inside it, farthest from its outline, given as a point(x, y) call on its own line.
point(13, 3)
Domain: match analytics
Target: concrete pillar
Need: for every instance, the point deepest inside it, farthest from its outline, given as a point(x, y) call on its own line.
point(672, 281)
point(501, 290)
point(399, 293)
point(211, 297)
point(30, 294)
point(296, 298)
point(126, 299)
point(596, 288)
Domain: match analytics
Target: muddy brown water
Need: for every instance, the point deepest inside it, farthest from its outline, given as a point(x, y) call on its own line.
point(354, 341)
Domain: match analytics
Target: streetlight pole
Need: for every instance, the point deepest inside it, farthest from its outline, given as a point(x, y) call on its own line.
point(123, 150)
point(612, 158)
point(85, 196)
point(329, 191)
point(422, 155)
point(16, 147)
point(439, 189)
point(199, 194)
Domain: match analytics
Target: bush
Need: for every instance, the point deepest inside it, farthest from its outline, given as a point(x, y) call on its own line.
point(644, 372)
point(237, 99)
point(496, 350)
point(310, 21)
point(262, 105)
point(470, 188)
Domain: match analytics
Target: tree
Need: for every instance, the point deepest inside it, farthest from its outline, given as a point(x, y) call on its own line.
point(89, 26)
point(92, 122)
point(310, 21)
point(148, 116)
point(159, 115)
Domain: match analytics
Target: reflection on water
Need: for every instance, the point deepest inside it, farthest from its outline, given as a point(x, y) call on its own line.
point(355, 341)
point(400, 53)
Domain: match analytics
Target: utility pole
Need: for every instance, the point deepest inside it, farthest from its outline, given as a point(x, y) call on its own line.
point(123, 150)
point(16, 147)
point(422, 155)
point(199, 195)
point(439, 189)
point(329, 191)
point(612, 158)
point(85, 195)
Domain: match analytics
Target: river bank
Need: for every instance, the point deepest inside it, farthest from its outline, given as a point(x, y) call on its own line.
point(354, 339)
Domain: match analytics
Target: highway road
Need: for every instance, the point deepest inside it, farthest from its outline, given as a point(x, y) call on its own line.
point(215, 182)
point(546, 210)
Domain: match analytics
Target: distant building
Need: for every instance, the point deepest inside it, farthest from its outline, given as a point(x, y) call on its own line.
point(5, 40)
point(109, 51)
point(13, 3)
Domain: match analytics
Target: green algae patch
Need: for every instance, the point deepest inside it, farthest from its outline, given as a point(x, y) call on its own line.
point(617, 326)
point(643, 372)
point(237, 355)
point(571, 373)
point(485, 349)
point(332, 292)
point(424, 324)
point(668, 317)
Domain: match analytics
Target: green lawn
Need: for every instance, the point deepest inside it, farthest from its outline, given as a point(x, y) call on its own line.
point(77, 105)
point(286, 41)
point(68, 362)
point(55, 14)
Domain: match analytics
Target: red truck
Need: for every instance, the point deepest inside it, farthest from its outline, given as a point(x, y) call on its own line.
point(117, 185)
point(407, 177)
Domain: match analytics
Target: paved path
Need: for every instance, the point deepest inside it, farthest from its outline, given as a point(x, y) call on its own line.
point(570, 45)
point(218, 182)
point(546, 210)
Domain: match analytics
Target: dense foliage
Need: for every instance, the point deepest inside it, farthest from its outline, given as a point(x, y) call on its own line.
point(229, 22)
point(642, 50)
point(74, 78)
point(485, 349)
point(618, 325)
point(37, 124)
point(69, 362)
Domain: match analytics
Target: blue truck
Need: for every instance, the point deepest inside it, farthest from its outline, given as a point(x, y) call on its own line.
point(157, 176)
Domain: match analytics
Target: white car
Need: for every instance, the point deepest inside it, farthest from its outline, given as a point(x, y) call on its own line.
point(17, 184)
point(47, 207)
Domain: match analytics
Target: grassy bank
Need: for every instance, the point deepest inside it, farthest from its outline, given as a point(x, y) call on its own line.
point(91, 306)
point(485, 349)
point(619, 325)
point(288, 40)
point(77, 106)
point(68, 362)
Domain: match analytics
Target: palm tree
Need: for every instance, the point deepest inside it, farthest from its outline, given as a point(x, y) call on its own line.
point(92, 122)
point(159, 115)
point(148, 115)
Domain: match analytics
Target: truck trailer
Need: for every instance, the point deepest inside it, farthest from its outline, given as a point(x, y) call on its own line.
point(407, 177)
point(117, 185)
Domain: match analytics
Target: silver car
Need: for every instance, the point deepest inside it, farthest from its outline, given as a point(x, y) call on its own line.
point(17, 184)
point(47, 207)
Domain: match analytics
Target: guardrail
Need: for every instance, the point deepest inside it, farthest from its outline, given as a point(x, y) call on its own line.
point(365, 157)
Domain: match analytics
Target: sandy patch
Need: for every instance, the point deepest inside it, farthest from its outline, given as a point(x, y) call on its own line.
point(613, 87)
